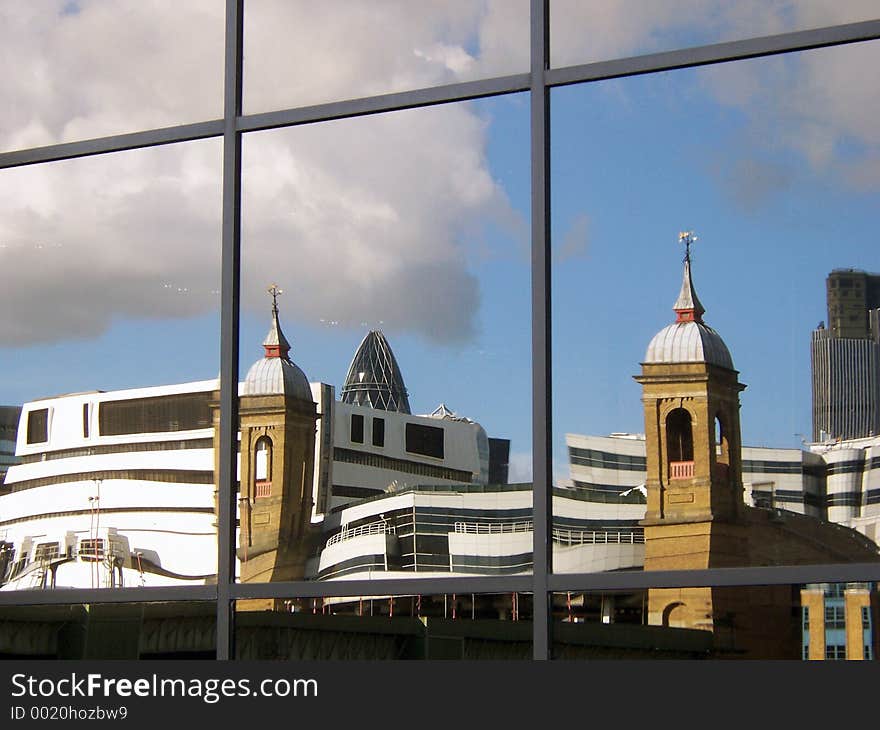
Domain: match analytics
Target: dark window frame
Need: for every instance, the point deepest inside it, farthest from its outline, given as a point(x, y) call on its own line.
point(37, 426)
point(356, 432)
point(537, 82)
point(425, 440)
point(378, 432)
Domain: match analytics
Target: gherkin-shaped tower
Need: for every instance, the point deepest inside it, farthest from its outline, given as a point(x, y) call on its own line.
point(374, 377)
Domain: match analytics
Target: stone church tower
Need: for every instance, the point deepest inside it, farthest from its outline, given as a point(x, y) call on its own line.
point(277, 450)
point(690, 392)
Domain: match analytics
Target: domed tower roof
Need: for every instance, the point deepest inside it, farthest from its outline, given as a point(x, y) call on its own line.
point(688, 339)
point(374, 377)
point(275, 373)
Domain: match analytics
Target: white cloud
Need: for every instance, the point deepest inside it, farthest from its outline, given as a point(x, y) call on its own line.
point(388, 208)
point(391, 208)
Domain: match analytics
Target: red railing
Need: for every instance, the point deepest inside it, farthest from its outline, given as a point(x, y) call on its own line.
point(263, 488)
point(681, 469)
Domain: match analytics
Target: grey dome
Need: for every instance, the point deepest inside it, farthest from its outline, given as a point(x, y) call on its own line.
point(276, 374)
point(689, 342)
point(688, 339)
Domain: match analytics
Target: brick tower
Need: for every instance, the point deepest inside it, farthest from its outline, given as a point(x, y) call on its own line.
point(690, 393)
point(277, 420)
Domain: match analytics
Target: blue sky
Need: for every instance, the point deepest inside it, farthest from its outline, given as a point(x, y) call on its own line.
point(418, 224)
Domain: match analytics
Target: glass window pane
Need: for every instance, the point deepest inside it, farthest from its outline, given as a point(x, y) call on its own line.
point(385, 271)
point(301, 53)
point(443, 626)
point(168, 630)
point(701, 218)
point(583, 31)
point(90, 69)
point(109, 323)
point(742, 622)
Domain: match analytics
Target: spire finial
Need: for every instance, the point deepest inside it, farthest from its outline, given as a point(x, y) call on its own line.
point(687, 307)
point(274, 291)
point(276, 344)
point(687, 238)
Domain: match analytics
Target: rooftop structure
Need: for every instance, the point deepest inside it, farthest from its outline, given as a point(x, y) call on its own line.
point(374, 378)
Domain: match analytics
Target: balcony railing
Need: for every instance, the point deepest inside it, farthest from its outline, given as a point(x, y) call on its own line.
point(597, 537)
point(374, 528)
point(681, 469)
point(492, 528)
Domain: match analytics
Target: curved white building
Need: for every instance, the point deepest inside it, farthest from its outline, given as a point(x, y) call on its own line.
point(117, 488)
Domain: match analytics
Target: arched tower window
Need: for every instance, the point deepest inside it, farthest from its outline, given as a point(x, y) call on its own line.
point(722, 448)
point(722, 443)
point(263, 467)
point(673, 614)
point(680, 444)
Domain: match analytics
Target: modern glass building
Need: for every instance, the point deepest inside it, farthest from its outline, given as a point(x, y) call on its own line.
point(531, 56)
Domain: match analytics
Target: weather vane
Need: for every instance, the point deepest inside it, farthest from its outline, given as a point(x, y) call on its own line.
point(275, 291)
point(687, 238)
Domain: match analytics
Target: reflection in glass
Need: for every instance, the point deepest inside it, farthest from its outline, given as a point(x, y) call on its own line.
point(179, 630)
point(322, 498)
point(388, 260)
point(667, 389)
point(444, 626)
point(109, 277)
point(87, 70)
point(298, 53)
point(811, 622)
point(583, 31)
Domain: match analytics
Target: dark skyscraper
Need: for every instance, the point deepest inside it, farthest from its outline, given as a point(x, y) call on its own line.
point(846, 358)
point(853, 300)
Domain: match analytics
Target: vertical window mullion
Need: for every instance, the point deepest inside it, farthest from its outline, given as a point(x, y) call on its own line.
point(541, 386)
point(229, 328)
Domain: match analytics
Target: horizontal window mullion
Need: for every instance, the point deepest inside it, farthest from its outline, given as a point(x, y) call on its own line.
point(67, 596)
point(716, 577)
point(739, 50)
point(671, 60)
point(383, 103)
point(384, 587)
point(115, 143)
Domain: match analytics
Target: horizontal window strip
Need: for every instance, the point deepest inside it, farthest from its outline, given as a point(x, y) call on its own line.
point(603, 493)
point(606, 459)
point(97, 450)
point(847, 499)
point(497, 515)
point(752, 466)
point(846, 467)
point(173, 476)
point(486, 564)
point(379, 461)
point(353, 565)
point(343, 490)
point(112, 511)
point(592, 486)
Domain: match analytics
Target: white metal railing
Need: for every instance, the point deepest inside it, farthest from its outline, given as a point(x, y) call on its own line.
point(492, 528)
point(374, 528)
point(596, 537)
point(560, 535)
